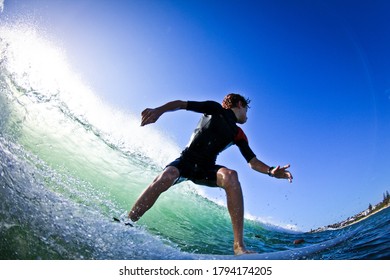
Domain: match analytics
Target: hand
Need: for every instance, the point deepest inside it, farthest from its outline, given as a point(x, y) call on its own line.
point(282, 173)
point(150, 116)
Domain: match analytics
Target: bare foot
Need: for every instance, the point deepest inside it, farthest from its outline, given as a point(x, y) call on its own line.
point(241, 250)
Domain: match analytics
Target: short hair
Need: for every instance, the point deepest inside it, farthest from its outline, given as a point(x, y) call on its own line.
point(231, 100)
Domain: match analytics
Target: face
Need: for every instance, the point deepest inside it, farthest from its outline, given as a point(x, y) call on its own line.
point(242, 114)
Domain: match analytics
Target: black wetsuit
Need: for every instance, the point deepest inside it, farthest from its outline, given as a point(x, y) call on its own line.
point(217, 130)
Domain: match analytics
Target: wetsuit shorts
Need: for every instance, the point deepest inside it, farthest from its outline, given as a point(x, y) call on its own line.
point(201, 175)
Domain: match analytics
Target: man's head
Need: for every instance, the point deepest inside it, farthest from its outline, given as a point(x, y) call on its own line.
point(238, 104)
point(232, 100)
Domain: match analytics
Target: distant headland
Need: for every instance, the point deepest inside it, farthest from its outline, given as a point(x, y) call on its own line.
point(360, 216)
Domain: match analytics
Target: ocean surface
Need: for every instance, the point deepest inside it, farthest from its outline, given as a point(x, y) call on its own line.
point(69, 164)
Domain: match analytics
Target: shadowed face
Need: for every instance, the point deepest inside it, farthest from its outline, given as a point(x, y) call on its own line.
point(241, 113)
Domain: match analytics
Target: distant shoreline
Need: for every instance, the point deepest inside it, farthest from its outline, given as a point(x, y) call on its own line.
point(357, 218)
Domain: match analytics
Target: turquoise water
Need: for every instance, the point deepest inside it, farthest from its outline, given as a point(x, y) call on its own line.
point(69, 163)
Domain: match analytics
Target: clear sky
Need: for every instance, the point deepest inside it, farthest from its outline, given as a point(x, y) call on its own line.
point(317, 72)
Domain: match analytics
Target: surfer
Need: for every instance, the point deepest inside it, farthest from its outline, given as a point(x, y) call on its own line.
point(217, 130)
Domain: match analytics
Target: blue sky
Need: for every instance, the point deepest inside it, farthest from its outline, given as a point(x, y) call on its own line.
point(317, 72)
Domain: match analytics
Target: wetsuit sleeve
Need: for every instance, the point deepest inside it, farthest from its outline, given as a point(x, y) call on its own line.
point(205, 107)
point(242, 142)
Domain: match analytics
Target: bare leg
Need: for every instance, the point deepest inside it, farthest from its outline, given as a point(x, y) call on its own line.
point(228, 179)
point(162, 183)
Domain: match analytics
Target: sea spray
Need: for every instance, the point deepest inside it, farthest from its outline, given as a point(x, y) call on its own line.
point(39, 73)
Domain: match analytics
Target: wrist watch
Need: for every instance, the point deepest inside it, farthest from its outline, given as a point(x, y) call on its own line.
point(270, 171)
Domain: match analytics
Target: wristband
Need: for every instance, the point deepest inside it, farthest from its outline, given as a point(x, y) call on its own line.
point(270, 170)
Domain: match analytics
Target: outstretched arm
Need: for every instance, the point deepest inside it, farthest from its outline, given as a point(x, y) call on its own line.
point(277, 172)
point(151, 115)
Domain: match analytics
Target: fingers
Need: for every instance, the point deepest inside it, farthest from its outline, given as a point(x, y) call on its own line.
point(282, 168)
point(148, 116)
point(281, 172)
point(286, 166)
point(289, 176)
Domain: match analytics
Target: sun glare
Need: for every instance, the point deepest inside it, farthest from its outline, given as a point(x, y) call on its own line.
point(38, 65)
point(31, 56)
